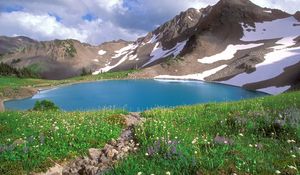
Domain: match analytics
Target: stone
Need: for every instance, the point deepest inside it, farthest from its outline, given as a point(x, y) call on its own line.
point(103, 159)
point(111, 153)
point(113, 142)
point(223, 140)
point(94, 154)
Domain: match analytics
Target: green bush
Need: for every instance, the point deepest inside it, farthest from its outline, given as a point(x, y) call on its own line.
point(45, 105)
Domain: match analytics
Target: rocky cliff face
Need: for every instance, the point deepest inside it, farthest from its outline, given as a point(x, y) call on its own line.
point(234, 42)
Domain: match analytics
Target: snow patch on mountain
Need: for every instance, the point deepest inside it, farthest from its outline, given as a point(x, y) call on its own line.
point(271, 29)
point(158, 52)
point(285, 42)
point(228, 53)
point(274, 90)
point(125, 50)
point(101, 52)
point(198, 76)
point(268, 11)
point(153, 39)
point(274, 65)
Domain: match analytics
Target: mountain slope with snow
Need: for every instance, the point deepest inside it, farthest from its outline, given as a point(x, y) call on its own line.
point(237, 43)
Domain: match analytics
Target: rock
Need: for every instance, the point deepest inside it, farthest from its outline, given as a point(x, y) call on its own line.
point(103, 159)
point(113, 142)
point(111, 153)
point(223, 140)
point(279, 123)
point(125, 149)
point(94, 153)
point(19, 142)
point(107, 147)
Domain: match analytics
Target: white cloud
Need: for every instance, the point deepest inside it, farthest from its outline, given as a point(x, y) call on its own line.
point(38, 26)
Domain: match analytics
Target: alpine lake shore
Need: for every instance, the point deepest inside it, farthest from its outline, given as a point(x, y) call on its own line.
point(254, 136)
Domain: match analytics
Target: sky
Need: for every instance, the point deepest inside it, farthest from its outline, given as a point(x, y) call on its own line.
point(97, 21)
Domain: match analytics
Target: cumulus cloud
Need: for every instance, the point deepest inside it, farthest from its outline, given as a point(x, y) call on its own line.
point(44, 27)
point(96, 21)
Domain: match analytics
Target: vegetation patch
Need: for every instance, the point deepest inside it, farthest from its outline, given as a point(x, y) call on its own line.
point(8, 70)
point(68, 46)
point(36, 68)
point(45, 105)
point(34, 140)
point(258, 136)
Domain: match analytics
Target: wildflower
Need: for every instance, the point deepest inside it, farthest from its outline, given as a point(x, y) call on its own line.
point(241, 134)
point(146, 154)
point(250, 145)
point(176, 137)
point(294, 156)
point(292, 167)
point(291, 141)
point(139, 173)
point(195, 140)
point(168, 173)
point(196, 152)
point(277, 172)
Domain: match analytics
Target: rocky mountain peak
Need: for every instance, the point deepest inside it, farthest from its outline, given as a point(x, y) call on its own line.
point(297, 15)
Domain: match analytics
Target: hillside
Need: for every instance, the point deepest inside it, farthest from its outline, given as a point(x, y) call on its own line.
point(257, 136)
point(58, 59)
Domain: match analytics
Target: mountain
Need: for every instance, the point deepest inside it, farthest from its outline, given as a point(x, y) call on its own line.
point(56, 59)
point(234, 42)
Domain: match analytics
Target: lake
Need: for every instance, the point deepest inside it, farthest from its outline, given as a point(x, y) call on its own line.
point(134, 95)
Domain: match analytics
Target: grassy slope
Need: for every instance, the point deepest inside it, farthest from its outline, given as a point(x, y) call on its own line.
point(180, 140)
point(12, 83)
point(32, 141)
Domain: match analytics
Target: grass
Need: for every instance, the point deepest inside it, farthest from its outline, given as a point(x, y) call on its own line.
point(257, 136)
point(9, 84)
point(33, 141)
point(183, 140)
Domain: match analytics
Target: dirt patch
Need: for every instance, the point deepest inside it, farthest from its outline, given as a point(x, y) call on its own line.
point(1, 106)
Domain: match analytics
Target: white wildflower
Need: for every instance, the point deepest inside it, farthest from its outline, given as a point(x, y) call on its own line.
point(292, 167)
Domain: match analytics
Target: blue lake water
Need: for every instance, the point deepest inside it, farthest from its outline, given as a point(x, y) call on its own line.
point(134, 95)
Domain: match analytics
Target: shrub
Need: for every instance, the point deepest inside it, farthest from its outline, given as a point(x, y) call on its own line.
point(45, 105)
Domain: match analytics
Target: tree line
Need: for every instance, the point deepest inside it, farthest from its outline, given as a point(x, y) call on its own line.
point(8, 70)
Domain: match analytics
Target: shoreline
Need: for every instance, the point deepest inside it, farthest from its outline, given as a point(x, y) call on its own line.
point(37, 89)
point(197, 80)
point(2, 109)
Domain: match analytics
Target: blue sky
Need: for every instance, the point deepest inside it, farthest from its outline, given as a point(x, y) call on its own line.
point(97, 21)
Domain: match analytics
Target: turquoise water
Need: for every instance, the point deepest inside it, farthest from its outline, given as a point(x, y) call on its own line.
point(134, 95)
